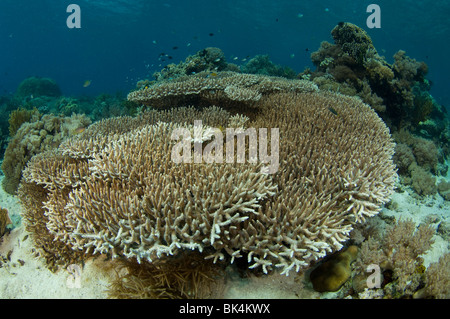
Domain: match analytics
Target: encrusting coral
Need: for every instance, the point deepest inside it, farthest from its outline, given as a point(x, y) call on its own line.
point(115, 189)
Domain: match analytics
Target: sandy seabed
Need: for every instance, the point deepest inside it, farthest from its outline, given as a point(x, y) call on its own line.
point(23, 276)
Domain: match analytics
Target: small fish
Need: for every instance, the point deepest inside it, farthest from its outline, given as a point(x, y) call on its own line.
point(292, 55)
point(276, 19)
point(154, 42)
point(170, 57)
point(235, 58)
point(332, 110)
point(79, 130)
point(189, 44)
point(211, 34)
point(174, 48)
point(217, 60)
point(86, 83)
point(306, 49)
point(300, 15)
point(213, 74)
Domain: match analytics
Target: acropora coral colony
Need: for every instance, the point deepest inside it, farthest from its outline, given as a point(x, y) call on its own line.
point(110, 188)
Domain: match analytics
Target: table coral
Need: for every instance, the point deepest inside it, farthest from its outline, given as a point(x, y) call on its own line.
point(228, 89)
point(115, 190)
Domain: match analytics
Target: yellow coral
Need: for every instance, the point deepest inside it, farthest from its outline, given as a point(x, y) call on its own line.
point(332, 274)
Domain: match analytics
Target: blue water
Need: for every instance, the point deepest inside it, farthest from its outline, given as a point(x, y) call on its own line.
point(120, 41)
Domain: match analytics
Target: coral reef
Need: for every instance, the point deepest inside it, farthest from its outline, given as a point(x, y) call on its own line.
point(43, 133)
point(115, 190)
point(36, 86)
point(398, 91)
point(334, 272)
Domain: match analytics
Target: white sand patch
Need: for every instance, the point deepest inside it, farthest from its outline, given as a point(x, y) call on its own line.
point(24, 276)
